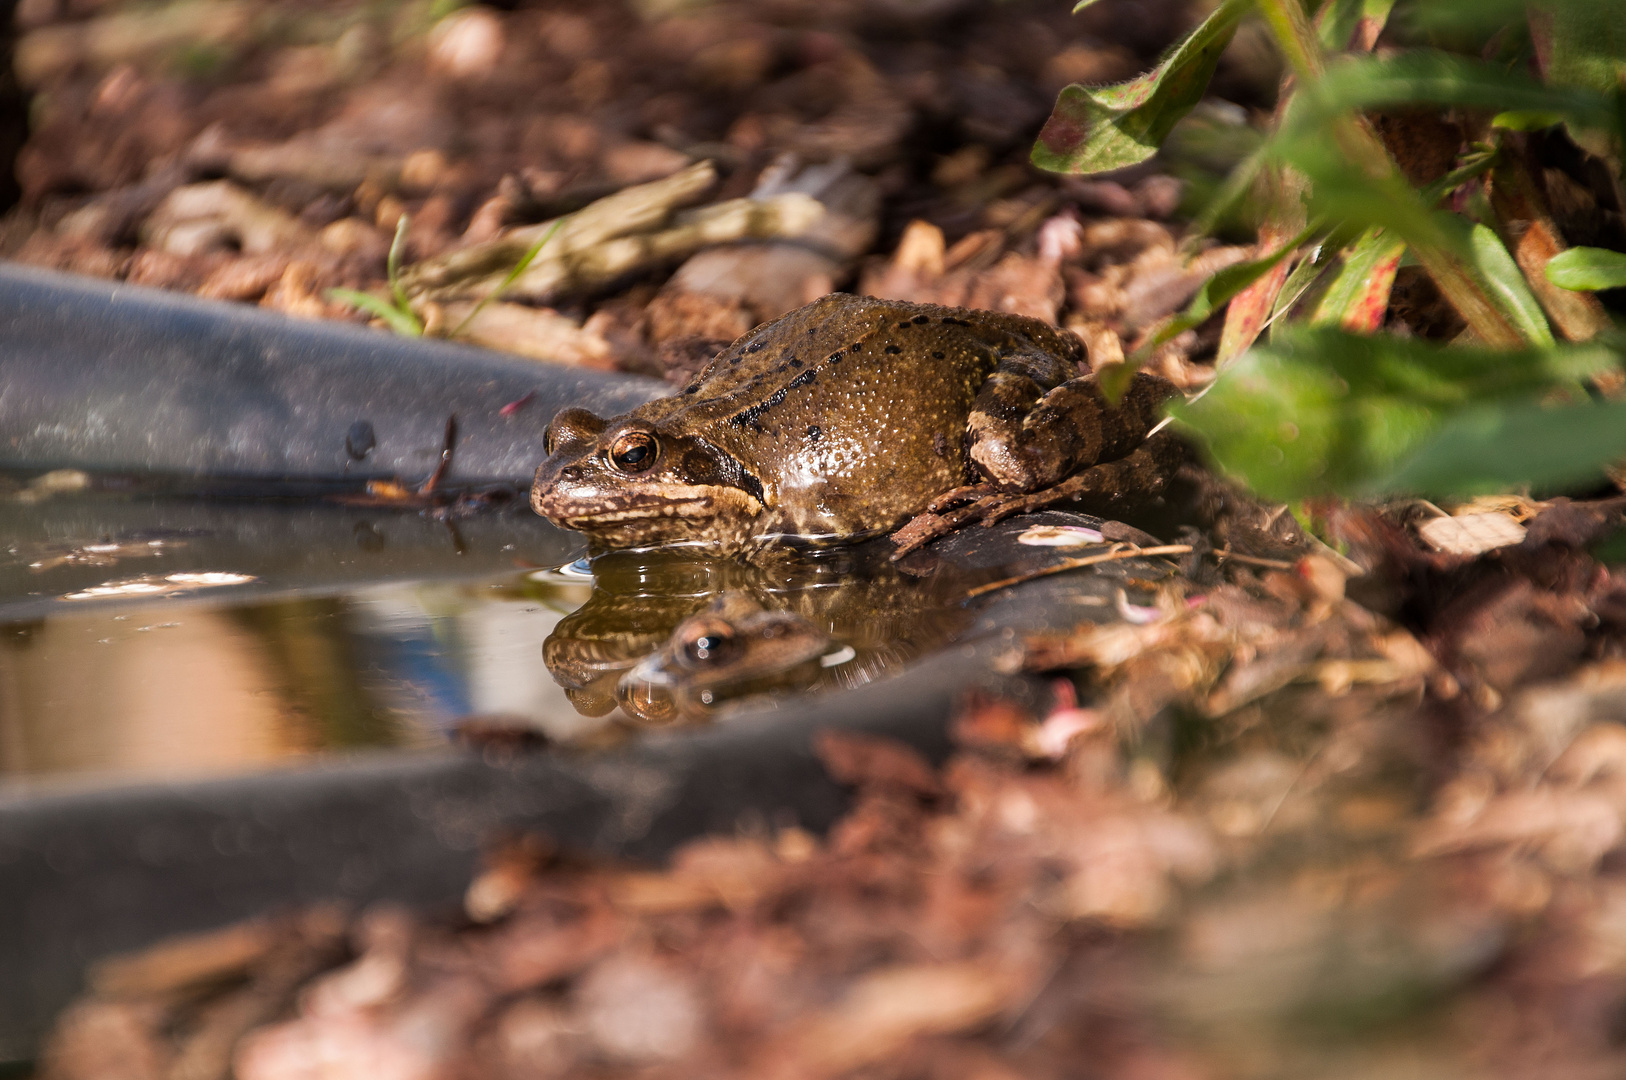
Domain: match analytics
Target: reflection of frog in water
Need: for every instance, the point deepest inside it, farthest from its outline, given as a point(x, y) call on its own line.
point(850, 605)
point(734, 648)
point(671, 634)
point(841, 420)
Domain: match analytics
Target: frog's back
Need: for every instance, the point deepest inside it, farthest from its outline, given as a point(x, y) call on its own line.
point(852, 411)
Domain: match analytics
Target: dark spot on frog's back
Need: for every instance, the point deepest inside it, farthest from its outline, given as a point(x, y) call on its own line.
point(748, 417)
point(940, 444)
point(802, 380)
point(949, 320)
point(893, 350)
point(814, 432)
point(920, 320)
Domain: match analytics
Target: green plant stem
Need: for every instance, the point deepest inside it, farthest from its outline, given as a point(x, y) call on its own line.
point(1361, 147)
point(1294, 36)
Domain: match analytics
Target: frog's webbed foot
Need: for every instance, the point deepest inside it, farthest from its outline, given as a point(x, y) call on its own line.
point(1141, 473)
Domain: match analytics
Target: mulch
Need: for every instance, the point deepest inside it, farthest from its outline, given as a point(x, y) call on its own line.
point(1339, 814)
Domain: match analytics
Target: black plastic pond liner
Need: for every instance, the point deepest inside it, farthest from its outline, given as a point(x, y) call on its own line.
point(102, 376)
point(87, 874)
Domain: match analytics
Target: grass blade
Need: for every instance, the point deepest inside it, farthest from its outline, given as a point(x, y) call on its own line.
point(392, 265)
point(519, 268)
point(402, 322)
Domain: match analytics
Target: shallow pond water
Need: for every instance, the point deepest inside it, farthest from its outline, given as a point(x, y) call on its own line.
point(161, 638)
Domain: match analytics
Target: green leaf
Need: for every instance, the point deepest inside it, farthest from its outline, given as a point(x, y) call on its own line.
point(1475, 163)
point(1219, 289)
point(1320, 412)
point(1439, 78)
point(1099, 129)
point(403, 322)
point(1359, 293)
point(1502, 446)
point(1301, 280)
point(1337, 20)
point(1587, 269)
point(1526, 120)
point(1580, 42)
point(1344, 192)
point(1508, 287)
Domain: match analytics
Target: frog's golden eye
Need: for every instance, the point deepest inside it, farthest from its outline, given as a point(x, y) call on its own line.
point(634, 452)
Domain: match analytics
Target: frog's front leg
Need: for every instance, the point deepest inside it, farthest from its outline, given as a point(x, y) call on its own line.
point(1025, 436)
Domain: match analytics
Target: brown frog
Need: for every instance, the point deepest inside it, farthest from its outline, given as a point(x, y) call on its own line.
point(840, 420)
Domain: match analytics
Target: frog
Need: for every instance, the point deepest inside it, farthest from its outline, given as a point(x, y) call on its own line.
point(840, 421)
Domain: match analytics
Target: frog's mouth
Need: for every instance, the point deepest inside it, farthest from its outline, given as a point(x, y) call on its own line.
point(647, 508)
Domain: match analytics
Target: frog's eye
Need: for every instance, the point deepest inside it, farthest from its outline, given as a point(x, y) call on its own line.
point(548, 441)
point(634, 452)
point(708, 644)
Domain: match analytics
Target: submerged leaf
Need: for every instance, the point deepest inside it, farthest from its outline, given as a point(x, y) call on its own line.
point(1098, 129)
point(1588, 269)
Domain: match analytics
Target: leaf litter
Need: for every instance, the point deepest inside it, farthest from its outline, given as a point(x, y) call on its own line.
point(1263, 829)
point(1346, 814)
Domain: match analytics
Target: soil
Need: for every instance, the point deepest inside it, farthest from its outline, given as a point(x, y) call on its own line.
point(1343, 814)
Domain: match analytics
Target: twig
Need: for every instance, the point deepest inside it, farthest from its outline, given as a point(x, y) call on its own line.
point(447, 443)
point(1118, 551)
point(1253, 560)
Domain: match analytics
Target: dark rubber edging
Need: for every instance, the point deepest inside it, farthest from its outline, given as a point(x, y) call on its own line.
point(108, 377)
point(84, 875)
